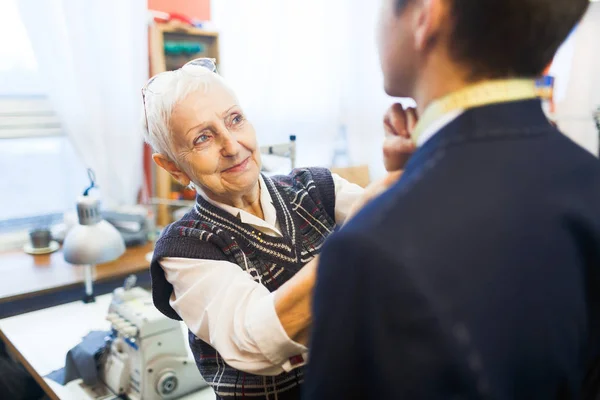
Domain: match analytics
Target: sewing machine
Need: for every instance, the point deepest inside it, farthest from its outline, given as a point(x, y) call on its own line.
point(146, 356)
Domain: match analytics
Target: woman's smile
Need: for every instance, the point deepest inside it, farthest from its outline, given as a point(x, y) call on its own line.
point(241, 167)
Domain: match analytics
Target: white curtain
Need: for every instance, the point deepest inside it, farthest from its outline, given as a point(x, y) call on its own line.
point(280, 57)
point(308, 68)
point(93, 57)
point(577, 71)
point(364, 100)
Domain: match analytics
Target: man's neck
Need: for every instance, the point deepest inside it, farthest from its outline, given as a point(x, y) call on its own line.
point(436, 80)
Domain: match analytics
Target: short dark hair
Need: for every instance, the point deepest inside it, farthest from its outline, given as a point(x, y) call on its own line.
point(509, 38)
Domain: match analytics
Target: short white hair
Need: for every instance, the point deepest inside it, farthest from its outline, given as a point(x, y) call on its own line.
point(162, 94)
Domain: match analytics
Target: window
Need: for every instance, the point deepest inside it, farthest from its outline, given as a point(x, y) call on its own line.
point(18, 69)
point(41, 174)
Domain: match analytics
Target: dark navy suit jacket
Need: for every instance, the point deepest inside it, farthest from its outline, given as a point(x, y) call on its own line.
point(476, 276)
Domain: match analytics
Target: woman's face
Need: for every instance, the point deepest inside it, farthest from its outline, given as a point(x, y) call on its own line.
point(214, 144)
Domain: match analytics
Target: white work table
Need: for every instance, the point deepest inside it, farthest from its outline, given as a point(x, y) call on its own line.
point(42, 339)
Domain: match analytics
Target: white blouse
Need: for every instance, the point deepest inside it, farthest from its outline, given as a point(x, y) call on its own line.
point(222, 305)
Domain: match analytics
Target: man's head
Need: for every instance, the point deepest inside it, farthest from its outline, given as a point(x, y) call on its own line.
point(483, 39)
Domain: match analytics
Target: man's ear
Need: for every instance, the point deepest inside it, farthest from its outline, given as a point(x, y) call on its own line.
point(172, 168)
point(428, 21)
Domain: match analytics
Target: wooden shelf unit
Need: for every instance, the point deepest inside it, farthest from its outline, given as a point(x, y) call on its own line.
point(164, 184)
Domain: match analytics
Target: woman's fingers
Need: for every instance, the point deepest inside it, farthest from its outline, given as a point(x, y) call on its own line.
point(398, 123)
point(396, 152)
point(412, 118)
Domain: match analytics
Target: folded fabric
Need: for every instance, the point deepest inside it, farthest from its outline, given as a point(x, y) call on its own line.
point(82, 360)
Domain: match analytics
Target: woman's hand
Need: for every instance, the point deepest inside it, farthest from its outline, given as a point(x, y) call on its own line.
point(398, 146)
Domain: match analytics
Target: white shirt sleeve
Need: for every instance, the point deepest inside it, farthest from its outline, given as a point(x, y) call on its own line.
point(346, 194)
point(222, 305)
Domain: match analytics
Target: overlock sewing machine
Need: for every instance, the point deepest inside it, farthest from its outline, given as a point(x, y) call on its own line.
point(146, 356)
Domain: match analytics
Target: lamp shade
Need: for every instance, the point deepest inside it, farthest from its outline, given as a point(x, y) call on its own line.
point(93, 241)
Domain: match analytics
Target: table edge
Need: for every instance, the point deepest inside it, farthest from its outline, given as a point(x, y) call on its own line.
point(36, 376)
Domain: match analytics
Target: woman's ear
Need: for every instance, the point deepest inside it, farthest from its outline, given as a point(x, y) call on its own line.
point(172, 168)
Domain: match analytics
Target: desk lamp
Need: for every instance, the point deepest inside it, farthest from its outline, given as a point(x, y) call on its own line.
point(93, 241)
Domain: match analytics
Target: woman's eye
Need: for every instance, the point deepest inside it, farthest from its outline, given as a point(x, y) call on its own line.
point(202, 139)
point(237, 119)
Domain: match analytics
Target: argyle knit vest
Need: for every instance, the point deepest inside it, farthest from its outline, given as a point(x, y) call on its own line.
point(304, 202)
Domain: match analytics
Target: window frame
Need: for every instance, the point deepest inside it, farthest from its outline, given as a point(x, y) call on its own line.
point(28, 117)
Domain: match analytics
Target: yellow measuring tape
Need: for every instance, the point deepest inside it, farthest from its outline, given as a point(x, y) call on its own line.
point(477, 95)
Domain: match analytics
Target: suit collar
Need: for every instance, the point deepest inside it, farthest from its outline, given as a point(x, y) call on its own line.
point(501, 120)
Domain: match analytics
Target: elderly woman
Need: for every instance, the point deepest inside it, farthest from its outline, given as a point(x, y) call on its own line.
point(239, 268)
